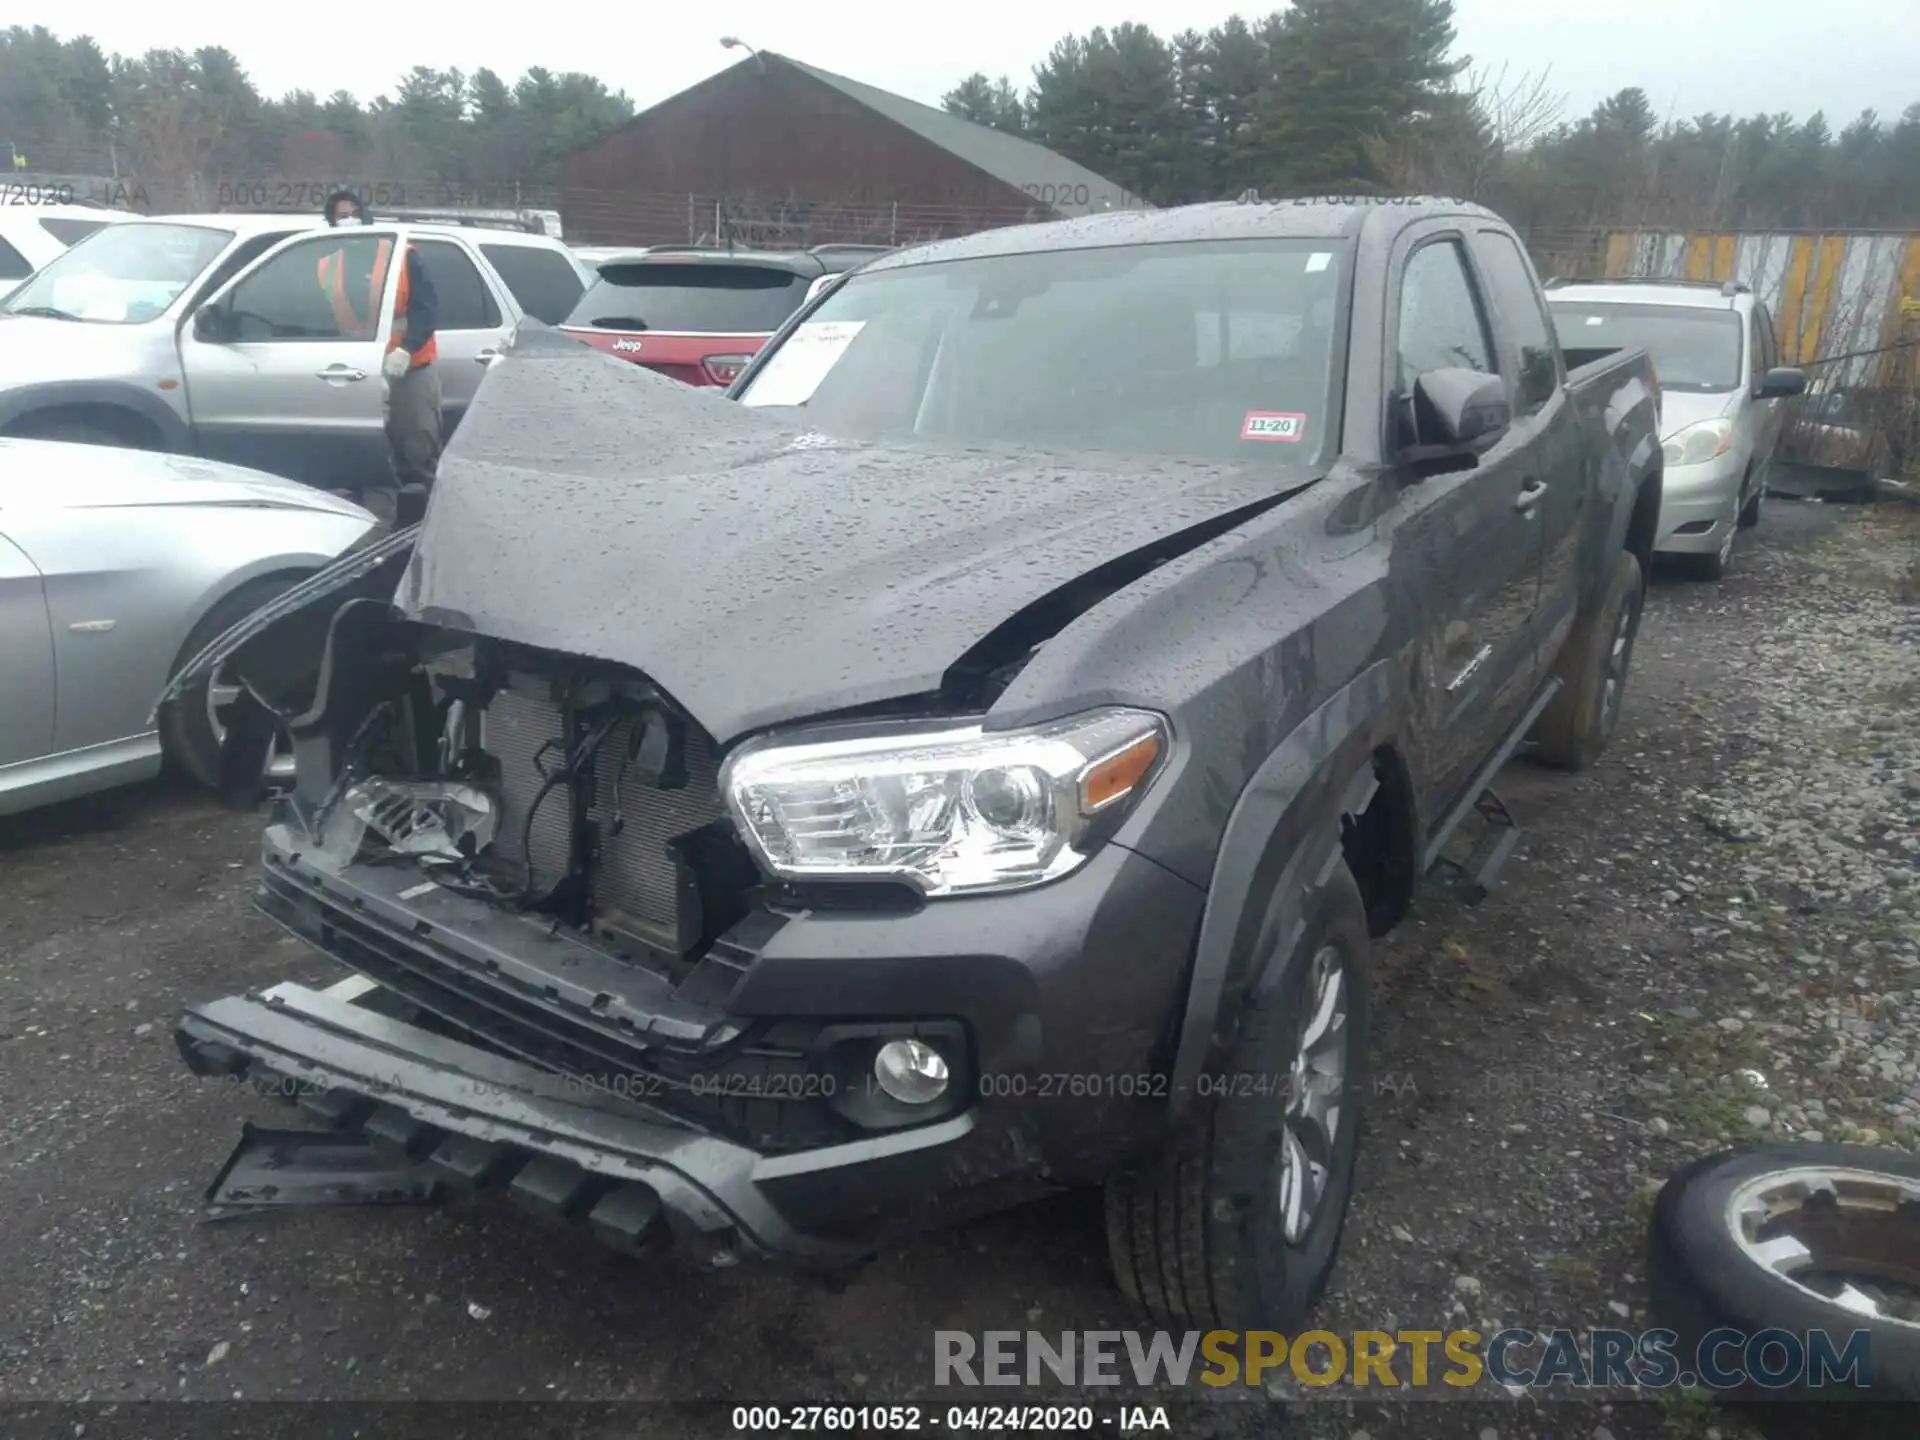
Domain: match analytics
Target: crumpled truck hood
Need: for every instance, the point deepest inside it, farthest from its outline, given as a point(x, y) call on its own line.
point(757, 571)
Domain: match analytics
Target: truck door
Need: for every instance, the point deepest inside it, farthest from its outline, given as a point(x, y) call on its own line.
point(1466, 547)
point(292, 385)
point(1546, 432)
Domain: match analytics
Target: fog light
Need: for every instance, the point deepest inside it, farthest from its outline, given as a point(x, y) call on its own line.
point(911, 1071)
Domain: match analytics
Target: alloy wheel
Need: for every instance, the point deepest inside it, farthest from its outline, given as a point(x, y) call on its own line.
point(1850, 1237)
point(1316, 1091)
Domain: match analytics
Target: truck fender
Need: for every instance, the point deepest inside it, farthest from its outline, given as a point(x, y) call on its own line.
point(1633, 470)
point(1281, 844)
point(25, 402)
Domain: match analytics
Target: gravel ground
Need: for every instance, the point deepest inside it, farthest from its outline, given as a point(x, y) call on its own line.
point(1710, 937)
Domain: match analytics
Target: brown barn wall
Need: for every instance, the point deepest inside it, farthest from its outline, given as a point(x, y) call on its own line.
point(767, 138)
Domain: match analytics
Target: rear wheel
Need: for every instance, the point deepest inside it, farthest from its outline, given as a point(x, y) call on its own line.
point(1593, 673)
point(1237, 1223)
point(193, 729)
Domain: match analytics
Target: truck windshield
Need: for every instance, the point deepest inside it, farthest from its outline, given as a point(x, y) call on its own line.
point(1695, 350)
point(1208, 349)
point(120, 274)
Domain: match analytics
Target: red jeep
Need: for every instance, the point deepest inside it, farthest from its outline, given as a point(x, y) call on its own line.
point(699, 313)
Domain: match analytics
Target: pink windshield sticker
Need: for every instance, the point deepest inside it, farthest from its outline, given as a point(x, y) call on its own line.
point(1273, 425)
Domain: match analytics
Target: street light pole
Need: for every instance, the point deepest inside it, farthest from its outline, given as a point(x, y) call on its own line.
point(734, 42)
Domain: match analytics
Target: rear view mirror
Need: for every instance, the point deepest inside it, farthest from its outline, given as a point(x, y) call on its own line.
point(1458, 408)
point(1781, 383)
point(210, 325)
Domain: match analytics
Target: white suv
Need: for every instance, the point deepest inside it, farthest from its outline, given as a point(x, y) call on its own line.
point(34, 235)
point(1722, 387)
point(211, 335)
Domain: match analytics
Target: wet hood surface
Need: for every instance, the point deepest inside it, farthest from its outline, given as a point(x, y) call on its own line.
point(759, 572)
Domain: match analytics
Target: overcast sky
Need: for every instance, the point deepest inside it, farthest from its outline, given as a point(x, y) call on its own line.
point(1689, 55)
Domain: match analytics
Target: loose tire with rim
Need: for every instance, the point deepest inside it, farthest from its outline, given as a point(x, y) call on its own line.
point(190, 729)
point(1593, 672)
point(1237, 1223)
point(1797, 1238)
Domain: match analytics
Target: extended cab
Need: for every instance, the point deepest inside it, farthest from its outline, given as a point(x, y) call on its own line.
point(977, 761)
point(211, 335)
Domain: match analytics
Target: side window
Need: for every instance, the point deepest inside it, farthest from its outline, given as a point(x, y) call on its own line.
point(238, 258)
point(13, 265)
point(1516, 295)
point(325, 289)
point(545, 284)
point(464, 300)
point(1442, 325)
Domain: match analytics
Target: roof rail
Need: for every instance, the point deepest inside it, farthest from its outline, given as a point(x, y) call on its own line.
point(495, 220)
point(836, 248)
point(1725, 287)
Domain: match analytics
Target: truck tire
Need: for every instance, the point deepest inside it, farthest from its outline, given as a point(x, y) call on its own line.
point(188, 737)
point(1593, 673)
point(1199, 1237)
point(1703, 1276)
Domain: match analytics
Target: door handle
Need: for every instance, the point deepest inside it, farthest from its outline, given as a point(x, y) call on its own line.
point(1530, 495)
point(487, 357)
point(337, 371)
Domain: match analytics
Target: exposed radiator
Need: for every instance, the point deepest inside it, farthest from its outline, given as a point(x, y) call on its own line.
point(636, 884)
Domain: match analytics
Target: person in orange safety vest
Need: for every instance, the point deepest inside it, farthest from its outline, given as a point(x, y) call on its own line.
point(354, 289)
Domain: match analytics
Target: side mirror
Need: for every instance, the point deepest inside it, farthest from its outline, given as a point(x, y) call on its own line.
point(1457, 408)
point(1781, 383)
point(210, 325)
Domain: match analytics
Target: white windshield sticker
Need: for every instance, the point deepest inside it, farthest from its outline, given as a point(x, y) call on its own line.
point(795, 370)
point(1319, 261)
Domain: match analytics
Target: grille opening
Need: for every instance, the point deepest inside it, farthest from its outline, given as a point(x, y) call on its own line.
point(633, 846)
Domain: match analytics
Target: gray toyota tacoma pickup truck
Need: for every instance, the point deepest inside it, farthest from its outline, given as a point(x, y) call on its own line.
point(971, 758)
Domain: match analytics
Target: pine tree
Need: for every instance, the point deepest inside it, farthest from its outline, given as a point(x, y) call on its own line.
point(1346, 76)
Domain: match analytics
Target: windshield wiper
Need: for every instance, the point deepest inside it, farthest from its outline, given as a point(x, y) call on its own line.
point(44, 311)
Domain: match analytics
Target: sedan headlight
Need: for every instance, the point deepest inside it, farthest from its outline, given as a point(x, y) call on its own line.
point(1698, 444)
point(951, 812)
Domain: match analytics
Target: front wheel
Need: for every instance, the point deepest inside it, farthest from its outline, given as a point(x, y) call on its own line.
point(1237, 1223)
point(193, 728)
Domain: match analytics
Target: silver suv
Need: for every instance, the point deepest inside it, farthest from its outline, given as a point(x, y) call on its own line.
point(1721, 391)
point(211, 335)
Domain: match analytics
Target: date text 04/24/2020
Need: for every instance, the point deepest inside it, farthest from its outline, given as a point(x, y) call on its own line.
point(955, 1419)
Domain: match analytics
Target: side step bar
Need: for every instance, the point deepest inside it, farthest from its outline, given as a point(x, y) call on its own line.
point(1473, 879)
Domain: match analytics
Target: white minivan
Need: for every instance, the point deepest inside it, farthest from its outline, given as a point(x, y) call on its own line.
point(1722, 389)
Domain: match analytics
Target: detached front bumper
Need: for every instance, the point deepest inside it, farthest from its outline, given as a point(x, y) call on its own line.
point(485, 1121)
point(1699, 506)
point(1062, 1002)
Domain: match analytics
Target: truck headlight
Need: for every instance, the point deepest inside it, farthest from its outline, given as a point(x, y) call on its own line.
point(1698, 444)
point(951, 812)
